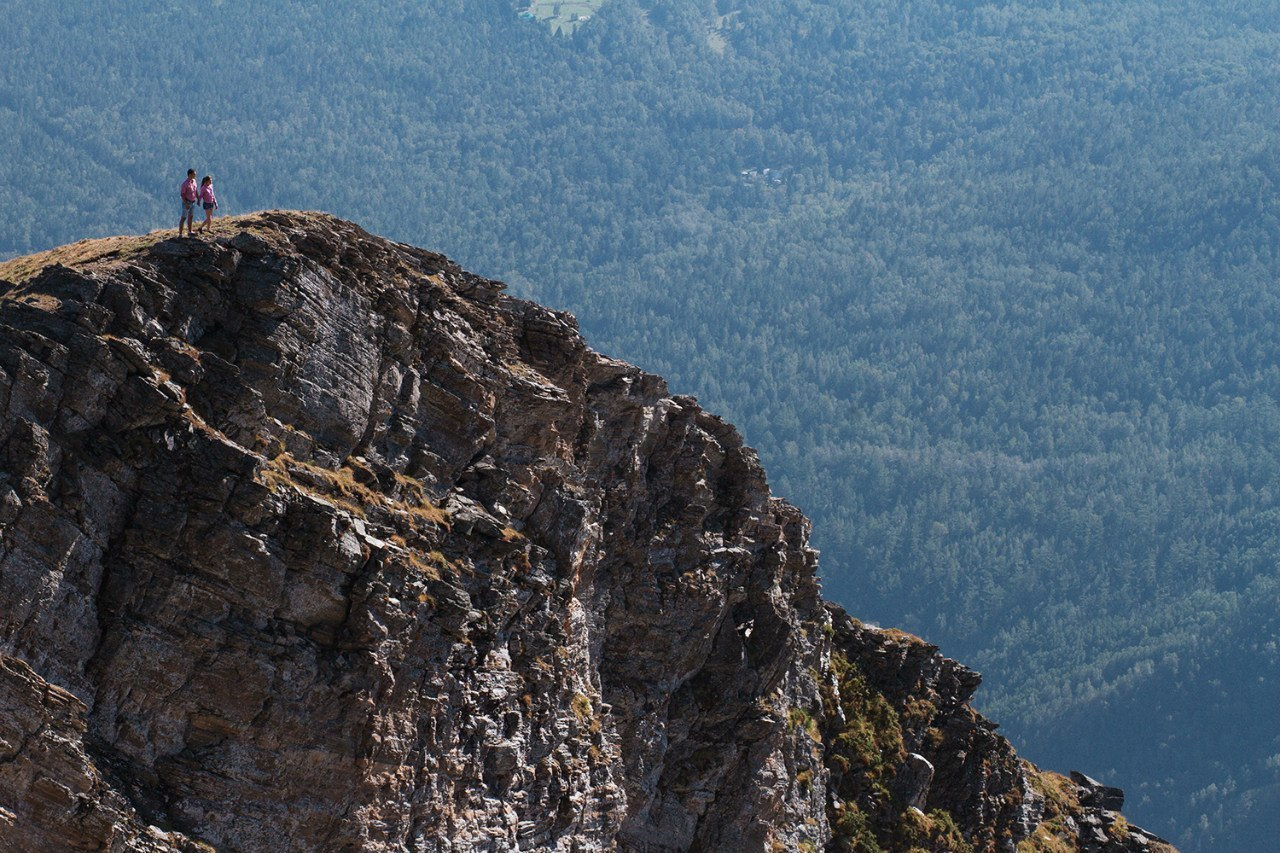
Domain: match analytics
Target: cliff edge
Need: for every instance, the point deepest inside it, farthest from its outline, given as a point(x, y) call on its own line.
point(310, 540)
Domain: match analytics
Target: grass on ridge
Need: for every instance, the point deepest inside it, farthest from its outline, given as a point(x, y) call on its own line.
point(80, 253)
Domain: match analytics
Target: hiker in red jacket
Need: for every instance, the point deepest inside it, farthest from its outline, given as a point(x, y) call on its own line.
point(209, 202)
point(189, 193)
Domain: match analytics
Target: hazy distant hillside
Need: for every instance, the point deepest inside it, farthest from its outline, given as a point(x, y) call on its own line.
point(1003, 317)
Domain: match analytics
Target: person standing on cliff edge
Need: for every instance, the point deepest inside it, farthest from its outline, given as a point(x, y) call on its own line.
point(210, 202)
point(189, 193)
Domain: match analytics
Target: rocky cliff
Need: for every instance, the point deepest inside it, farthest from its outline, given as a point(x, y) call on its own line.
point(314, 541)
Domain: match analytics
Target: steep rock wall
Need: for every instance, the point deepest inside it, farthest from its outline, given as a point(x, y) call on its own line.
point(311, 540)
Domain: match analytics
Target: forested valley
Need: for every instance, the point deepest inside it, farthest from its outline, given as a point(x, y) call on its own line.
point(993, 287)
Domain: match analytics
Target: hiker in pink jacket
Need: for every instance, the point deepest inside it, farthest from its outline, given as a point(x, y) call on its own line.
point(208, 201)
point(189, 194)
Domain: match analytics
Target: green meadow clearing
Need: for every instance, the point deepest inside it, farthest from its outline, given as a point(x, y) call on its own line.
point(563, 16)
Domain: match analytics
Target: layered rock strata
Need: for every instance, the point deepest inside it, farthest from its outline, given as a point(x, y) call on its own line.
point(314, 541)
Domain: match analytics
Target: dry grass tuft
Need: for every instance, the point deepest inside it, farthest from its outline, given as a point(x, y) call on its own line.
point(341, 488)
point(581, 707)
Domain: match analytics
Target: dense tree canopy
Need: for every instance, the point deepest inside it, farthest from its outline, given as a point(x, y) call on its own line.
point(1003, 316)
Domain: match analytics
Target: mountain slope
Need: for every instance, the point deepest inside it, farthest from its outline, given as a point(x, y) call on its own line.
point(312, 540)
point(1007, 328)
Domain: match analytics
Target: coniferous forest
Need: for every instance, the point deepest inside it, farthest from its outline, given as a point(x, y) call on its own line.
point(993, 287)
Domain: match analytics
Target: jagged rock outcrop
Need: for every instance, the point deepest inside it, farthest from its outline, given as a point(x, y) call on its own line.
point(314, 541)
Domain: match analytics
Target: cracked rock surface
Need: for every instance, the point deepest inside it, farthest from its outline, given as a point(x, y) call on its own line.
point(310, 540)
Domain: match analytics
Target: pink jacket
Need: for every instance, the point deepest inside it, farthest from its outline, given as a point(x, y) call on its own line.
point(206, 194)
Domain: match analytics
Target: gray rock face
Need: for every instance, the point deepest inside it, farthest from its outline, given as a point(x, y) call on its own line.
point(1094, 793)
point(913, 780)
point(310, 540)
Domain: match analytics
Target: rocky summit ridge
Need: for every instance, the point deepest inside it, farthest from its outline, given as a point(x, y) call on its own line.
point(310, 540)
